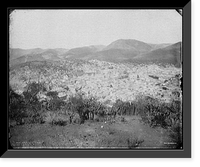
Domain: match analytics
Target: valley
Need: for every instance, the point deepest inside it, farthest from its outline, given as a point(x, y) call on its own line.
point(135, 80)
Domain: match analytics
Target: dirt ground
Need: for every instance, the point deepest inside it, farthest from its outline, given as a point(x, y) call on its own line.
point(126, 133)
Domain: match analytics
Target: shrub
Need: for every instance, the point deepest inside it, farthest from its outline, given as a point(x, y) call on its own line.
point(124, 108)
point(55, 118)
point(154, 112)
point(123, 119)
point(32, 89)
point(56, 104)
point(174, 116)
point(53, 94)
point(32, 104)
point(33, 116)
point(86, 108)
point(133, 143)
point(26, 108)
point(76, 105)
point(16, 106)
point(59, 122)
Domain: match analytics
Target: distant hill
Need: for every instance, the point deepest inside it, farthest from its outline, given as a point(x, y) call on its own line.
point(18, 56)
point(119, 51)
point(133, 51)
point(113, 55)
point(167, 55)
point(16, 52)
point(158, 46)
point(129, 44)
point(81, 52)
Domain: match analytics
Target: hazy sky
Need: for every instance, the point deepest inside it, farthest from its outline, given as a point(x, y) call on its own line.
point(76, 28)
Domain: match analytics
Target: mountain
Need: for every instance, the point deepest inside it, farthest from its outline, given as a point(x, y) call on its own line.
point(19, 56)
point(158, 46)
point(167, 55)
point(98, 48)
point(113, 55)
point(17, 52)
point(133, 51)
point(129, 44)
point(81, 52)
point(119, 51)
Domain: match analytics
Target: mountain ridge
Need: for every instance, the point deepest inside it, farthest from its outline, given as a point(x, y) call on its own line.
point(118, 51)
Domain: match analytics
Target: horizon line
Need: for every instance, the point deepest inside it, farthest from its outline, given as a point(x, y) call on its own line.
point(93, 45)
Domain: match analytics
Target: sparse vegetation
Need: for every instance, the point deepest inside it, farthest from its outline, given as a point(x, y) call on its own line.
point(154, 112)
point(50, 96)
point(16, 106)
point(124, 108)
point(134, 143)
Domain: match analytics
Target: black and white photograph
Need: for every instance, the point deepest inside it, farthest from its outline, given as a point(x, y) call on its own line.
point(95, 79)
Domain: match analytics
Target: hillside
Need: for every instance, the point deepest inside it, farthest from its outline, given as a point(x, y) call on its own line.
point(119, 51)
point(113, 55)
point(167, 55)
point(20, 56)
point(157, 46)
point(16, 52)
point(81, 52)
point(132, 51)
point(129, 44)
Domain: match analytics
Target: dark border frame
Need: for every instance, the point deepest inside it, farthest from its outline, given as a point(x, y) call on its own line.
point(184, 153)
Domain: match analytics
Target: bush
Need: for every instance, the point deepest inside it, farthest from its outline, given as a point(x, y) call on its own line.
point(174, 113)
point(86, 108)
point(154, 112)
point(26, 108)
point(33, 105)
point(16, 106)
point(56, 105)
point(55, 118)
point(53, 94)
point(76, 105)
point(134, 143)
point(33, 116)
point(151, 110)
point(32, 89)
point(124, 108)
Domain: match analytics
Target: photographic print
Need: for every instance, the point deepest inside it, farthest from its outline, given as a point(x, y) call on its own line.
point(95, 79)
